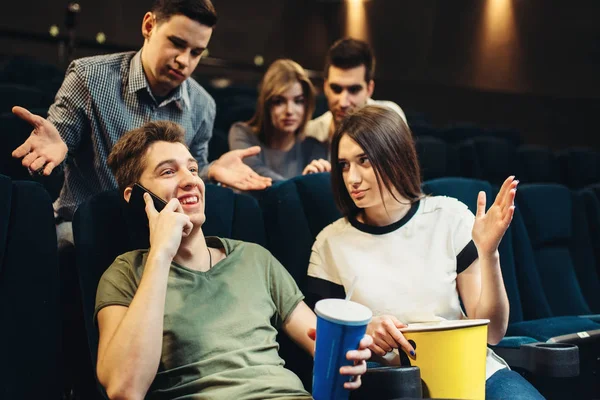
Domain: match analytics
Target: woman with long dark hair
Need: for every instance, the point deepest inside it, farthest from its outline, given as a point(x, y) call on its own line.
point(415, 257)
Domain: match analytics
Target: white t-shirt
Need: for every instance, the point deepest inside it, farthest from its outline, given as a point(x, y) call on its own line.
point(407, 269)
point(319, 127)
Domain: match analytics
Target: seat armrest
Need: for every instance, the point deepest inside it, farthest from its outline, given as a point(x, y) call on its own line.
point(556, 360)
point(577, 338)
point(388, 383)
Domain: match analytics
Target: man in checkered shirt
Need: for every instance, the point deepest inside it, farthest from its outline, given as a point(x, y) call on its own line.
point(105, 96)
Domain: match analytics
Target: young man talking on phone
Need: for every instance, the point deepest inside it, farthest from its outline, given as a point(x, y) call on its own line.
point(193, 314)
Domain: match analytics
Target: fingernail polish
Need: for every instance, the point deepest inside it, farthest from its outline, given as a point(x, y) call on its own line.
point(412, 353)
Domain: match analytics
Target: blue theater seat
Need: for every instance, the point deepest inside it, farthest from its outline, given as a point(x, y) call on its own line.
point(556, 222)
point(579, 167)
point(102, 231)
point(536, 164)
point(30, 318)
point(433, 157)
point(27, 71)
point(19, 95)
point(531, 314)
point(295, 211)
point(460, 132)
point(591, 197)
point(488, 158)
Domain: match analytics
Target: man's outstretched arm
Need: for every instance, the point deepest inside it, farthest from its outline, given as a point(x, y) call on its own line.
point(131, 337)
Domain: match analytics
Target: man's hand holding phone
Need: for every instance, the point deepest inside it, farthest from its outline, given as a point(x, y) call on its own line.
point(167, 227)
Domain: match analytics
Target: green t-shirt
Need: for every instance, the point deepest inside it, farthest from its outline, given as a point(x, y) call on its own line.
point(219, 325)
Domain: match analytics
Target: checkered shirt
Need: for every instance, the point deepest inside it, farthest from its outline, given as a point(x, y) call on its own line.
point(103, 97)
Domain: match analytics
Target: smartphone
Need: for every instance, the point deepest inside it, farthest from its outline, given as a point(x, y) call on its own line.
point(137, 203)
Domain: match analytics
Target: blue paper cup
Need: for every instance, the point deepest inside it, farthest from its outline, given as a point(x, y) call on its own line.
point(341, 325)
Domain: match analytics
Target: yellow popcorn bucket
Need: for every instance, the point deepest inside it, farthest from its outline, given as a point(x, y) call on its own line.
point(451, 356)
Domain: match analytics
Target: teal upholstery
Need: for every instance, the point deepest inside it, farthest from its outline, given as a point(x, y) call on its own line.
point(536, 164)
point(488, 158)
point(578, 167)
point(433, 156)
point(548, 215)
point(591, 197)
point(586, 215)
point(30, 338)
point(295, 211)
point(546, 328)
point(528, 302)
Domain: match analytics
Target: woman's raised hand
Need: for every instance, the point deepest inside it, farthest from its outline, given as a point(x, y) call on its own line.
point(489, 227)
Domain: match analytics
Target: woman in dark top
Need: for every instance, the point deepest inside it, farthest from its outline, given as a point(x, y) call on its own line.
point(285, 104)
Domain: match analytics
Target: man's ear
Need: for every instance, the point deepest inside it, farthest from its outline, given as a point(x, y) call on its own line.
point(148, 25)
point(370, 87)
point(127, 193)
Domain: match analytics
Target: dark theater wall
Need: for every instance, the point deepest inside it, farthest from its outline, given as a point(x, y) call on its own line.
point(531, 65)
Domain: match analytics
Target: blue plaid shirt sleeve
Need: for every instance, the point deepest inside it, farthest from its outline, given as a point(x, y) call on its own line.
point(199, 145)
point(68, 113)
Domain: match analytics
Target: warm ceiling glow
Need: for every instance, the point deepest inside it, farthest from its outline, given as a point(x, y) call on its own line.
point(497, 55)
point(356, 20)
point(499, 21)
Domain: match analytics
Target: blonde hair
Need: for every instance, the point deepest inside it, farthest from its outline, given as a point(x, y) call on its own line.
point(280, 76)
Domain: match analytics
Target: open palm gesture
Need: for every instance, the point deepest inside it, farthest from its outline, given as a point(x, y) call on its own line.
point(231, 171)
point(489, 227)
point(44, 148)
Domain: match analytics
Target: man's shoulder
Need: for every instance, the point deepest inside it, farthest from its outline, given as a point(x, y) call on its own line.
point(233, 246)
point(389, 104)
point(198, 94)
point(129, 264)
point(102, 62)
point(318, 128)
point(99, 72)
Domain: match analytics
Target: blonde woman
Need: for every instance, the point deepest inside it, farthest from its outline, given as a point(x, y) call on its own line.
point(285, 104)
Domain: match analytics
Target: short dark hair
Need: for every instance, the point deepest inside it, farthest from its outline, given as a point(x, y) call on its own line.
point(389, 145)
point(127, 159)
point(350, 53)
point(201, 11)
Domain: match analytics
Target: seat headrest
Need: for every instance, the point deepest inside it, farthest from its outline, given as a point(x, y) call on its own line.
point(5, 200)
point(547, 212)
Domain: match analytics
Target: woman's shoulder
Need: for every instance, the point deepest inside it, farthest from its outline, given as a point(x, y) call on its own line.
point(442, 204)
point(241, 131)
point(241, 127)
point(334, 229)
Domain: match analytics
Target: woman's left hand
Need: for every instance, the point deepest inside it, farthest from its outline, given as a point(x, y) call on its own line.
point(489, 227)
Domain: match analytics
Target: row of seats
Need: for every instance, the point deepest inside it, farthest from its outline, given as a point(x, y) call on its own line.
point(465, 150)
point(456, 150)
point(493, 159)
point(549, 263)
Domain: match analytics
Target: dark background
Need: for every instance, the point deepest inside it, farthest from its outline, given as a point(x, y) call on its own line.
point(526, 64)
